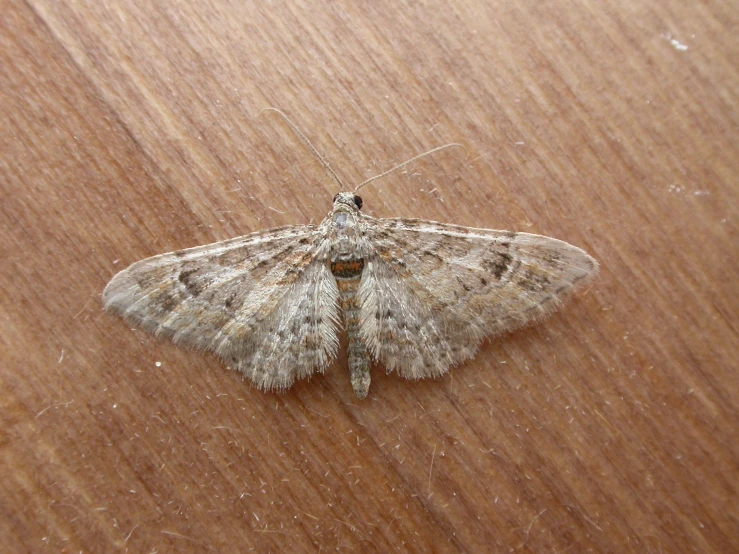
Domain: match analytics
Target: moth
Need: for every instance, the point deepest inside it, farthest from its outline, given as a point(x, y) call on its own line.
point(416, 296)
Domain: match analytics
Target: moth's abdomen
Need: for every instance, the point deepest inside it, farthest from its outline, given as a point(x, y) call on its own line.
point(348, 270)
point(348, 274)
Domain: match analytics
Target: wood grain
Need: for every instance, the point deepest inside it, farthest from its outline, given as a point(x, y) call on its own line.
point(134, 128)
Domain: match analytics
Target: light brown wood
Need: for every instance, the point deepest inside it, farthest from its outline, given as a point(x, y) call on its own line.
point(134, 128)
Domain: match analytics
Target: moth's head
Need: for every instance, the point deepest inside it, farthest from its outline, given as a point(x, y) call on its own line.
point(347, 201)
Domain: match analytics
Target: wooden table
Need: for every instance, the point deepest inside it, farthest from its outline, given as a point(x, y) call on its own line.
point(134, 128)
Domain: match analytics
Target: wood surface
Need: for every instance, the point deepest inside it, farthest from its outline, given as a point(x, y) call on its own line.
point(132, 128)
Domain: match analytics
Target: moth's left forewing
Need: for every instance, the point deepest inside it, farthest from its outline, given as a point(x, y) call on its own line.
point(266, 302)
point(461, 285)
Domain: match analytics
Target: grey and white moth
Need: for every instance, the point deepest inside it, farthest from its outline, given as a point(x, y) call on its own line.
point(416, 296)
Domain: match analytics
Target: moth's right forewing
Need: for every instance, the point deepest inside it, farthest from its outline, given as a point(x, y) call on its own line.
point(434, 291)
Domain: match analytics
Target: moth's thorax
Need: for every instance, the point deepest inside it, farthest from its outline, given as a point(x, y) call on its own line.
point(345, 228)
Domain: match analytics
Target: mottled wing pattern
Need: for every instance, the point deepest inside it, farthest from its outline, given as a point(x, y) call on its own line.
point(431, 292)
point(266, 302)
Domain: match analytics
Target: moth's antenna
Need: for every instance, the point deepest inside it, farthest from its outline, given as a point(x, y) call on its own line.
point(405, 163)
point(307, 142)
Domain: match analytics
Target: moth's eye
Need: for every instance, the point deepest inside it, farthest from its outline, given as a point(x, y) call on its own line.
point(335, 197)
point(358, 202)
